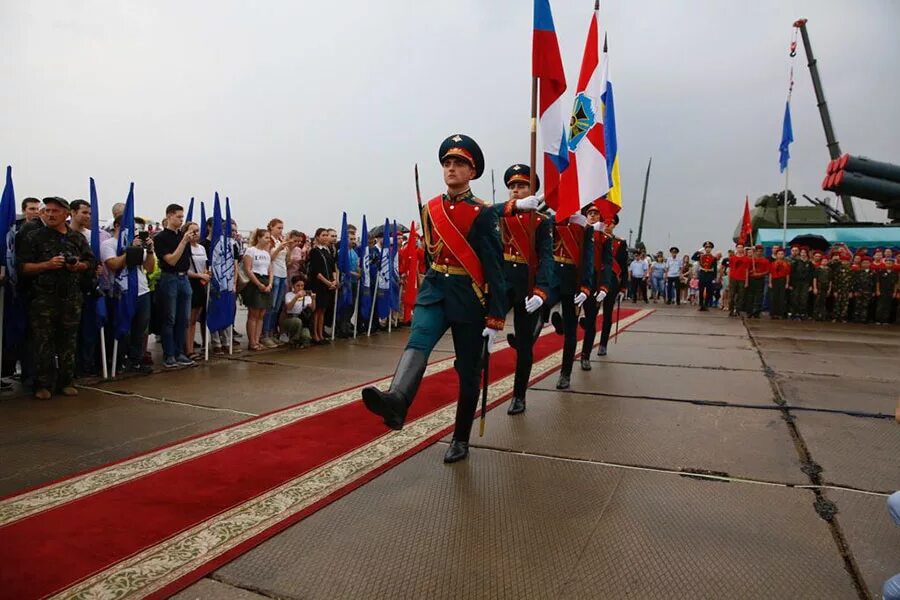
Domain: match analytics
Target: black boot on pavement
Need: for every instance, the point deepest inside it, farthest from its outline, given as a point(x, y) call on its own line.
point(516, 406)
point(456, 452)
point(393, 404)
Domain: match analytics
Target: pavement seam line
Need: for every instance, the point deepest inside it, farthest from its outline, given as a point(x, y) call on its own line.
point(721, 403)
point(806, 458)
point(167, 401)
point(247, 588)
point(626, 362)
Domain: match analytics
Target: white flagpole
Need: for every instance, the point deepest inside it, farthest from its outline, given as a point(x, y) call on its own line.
point(206, 325)
point(372, 310)
point(115, 356)
point(787, 170)
point(334, 315)
point(356, 308)
point(104, 369)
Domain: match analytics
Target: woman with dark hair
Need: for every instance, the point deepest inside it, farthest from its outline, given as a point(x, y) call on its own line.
point(279, 250)
point(322, 282)
point(296, 264)
point(198, 276)
point(257, 264)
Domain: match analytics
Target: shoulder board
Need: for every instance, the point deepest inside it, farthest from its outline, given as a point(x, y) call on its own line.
point(478, 201)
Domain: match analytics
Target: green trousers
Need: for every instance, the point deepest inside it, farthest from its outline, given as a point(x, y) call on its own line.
point(755, 290)
point(736, 291)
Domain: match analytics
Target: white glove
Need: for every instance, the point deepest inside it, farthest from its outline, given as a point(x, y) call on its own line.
point(598, 226)
point(600, 296)
point(532, 303)
point(490, 334)
point(529, 203)
point(580, 298)
point(578, 219)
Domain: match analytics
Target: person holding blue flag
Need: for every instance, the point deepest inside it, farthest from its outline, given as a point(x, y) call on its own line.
point(59, 265)
point(222, 293)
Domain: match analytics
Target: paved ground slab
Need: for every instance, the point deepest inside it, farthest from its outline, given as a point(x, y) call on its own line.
point(66, 435)
point(735, 387)
point(859, 452)
point(742, 442)
point(513, 526)
point(373, 359)
point(873, 537)
point(210, 589)
point(686, 342)
point(861, 346)
point(834, 333)
point(635, 352)
point(699, 325)
point(840, 393)
point(858, 367)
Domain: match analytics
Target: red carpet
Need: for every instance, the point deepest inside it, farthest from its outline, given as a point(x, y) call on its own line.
point(48, 551)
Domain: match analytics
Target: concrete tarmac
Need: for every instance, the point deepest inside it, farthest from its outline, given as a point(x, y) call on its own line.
point(703, 457)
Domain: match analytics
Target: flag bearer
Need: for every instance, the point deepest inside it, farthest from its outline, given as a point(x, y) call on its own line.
point(616, 279)
point(602, 246)
point(463, 291)
point(573, 256)
point(519, 256)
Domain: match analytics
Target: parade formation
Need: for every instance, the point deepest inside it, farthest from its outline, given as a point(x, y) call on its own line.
point(694, 452)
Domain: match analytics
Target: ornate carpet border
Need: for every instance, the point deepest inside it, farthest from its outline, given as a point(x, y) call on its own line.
point(56, 494)
point(184, 554)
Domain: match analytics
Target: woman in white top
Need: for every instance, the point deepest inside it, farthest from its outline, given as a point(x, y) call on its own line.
point(279, 251)
point(257, 264)
point(198, 276)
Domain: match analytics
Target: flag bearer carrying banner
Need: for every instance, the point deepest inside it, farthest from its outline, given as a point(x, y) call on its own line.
point(464, 291)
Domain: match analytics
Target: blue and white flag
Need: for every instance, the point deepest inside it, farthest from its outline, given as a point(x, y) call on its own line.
point(99, 306)
point(345, 292)
point(365, 272)
point(222, 300)
point(127, 278)
point(383, 296)
point(395, 268)
point(8, 229)
point(787, 136)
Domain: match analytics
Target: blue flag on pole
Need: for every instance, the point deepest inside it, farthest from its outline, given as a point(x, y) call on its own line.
point(383, 297)
point(787, 136)
point(220, 314)
point(203, 221)
point(345, 293)
point(395, 268)
point(127, 278)
point(190, 211)
point(8, 229)
point(365, 274)
point(99, 306)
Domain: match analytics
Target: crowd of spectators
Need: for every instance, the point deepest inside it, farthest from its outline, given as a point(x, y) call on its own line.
point(287, 282)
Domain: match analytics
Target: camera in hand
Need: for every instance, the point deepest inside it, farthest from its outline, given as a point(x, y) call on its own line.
point(144, 236)
point(69, 258)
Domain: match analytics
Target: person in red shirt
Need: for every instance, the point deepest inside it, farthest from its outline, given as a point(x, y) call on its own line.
point(738, 270)
point(756, 287)
point(779, 280)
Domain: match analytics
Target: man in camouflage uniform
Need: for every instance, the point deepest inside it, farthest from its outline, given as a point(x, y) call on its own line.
point(821, 287)
point(59, 264)
point(841, 278)
point(863, 289)
point(886, 290)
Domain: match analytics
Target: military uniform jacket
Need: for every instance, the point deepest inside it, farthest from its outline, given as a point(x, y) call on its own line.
point(604, 276)
point(887, 281)
point(517, 256)
point(822, 274)
point(801, 272)
point(708, 265)
point(43, 243)
point(573, 254)
point(462, 238)
point(619, 255)
point(863, 282)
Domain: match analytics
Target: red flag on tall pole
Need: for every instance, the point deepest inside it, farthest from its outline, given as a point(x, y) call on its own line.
point(411, 272)
point(746, 227)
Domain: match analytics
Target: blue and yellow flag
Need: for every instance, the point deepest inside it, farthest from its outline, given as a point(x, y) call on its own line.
point(614, 197)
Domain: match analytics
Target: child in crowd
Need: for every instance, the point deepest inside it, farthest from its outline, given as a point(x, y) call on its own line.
point(693, 287)
point(298, 308)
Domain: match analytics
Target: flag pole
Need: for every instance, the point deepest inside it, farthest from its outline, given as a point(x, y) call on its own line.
point(334, 315)
point(356, 308)
point(115, 356)
point(787, 170)
point(206, 326)
point(372, 309)
point(532, 268)
point(104, 369)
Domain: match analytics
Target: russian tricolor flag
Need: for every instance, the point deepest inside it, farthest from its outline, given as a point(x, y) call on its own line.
point(587, 178)
point(546, 66)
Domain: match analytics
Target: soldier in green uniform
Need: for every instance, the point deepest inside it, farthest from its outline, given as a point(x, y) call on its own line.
point(863, 289)
point(801, 278)
point(523, 252)
point(821, 287)
point(886, 290)
point(464, 290)
point(59, 265)
point(841, 280)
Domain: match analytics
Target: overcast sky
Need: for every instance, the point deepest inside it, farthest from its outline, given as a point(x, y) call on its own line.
point(302, 109)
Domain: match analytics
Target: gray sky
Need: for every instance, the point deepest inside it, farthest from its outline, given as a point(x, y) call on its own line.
point(302, 109)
